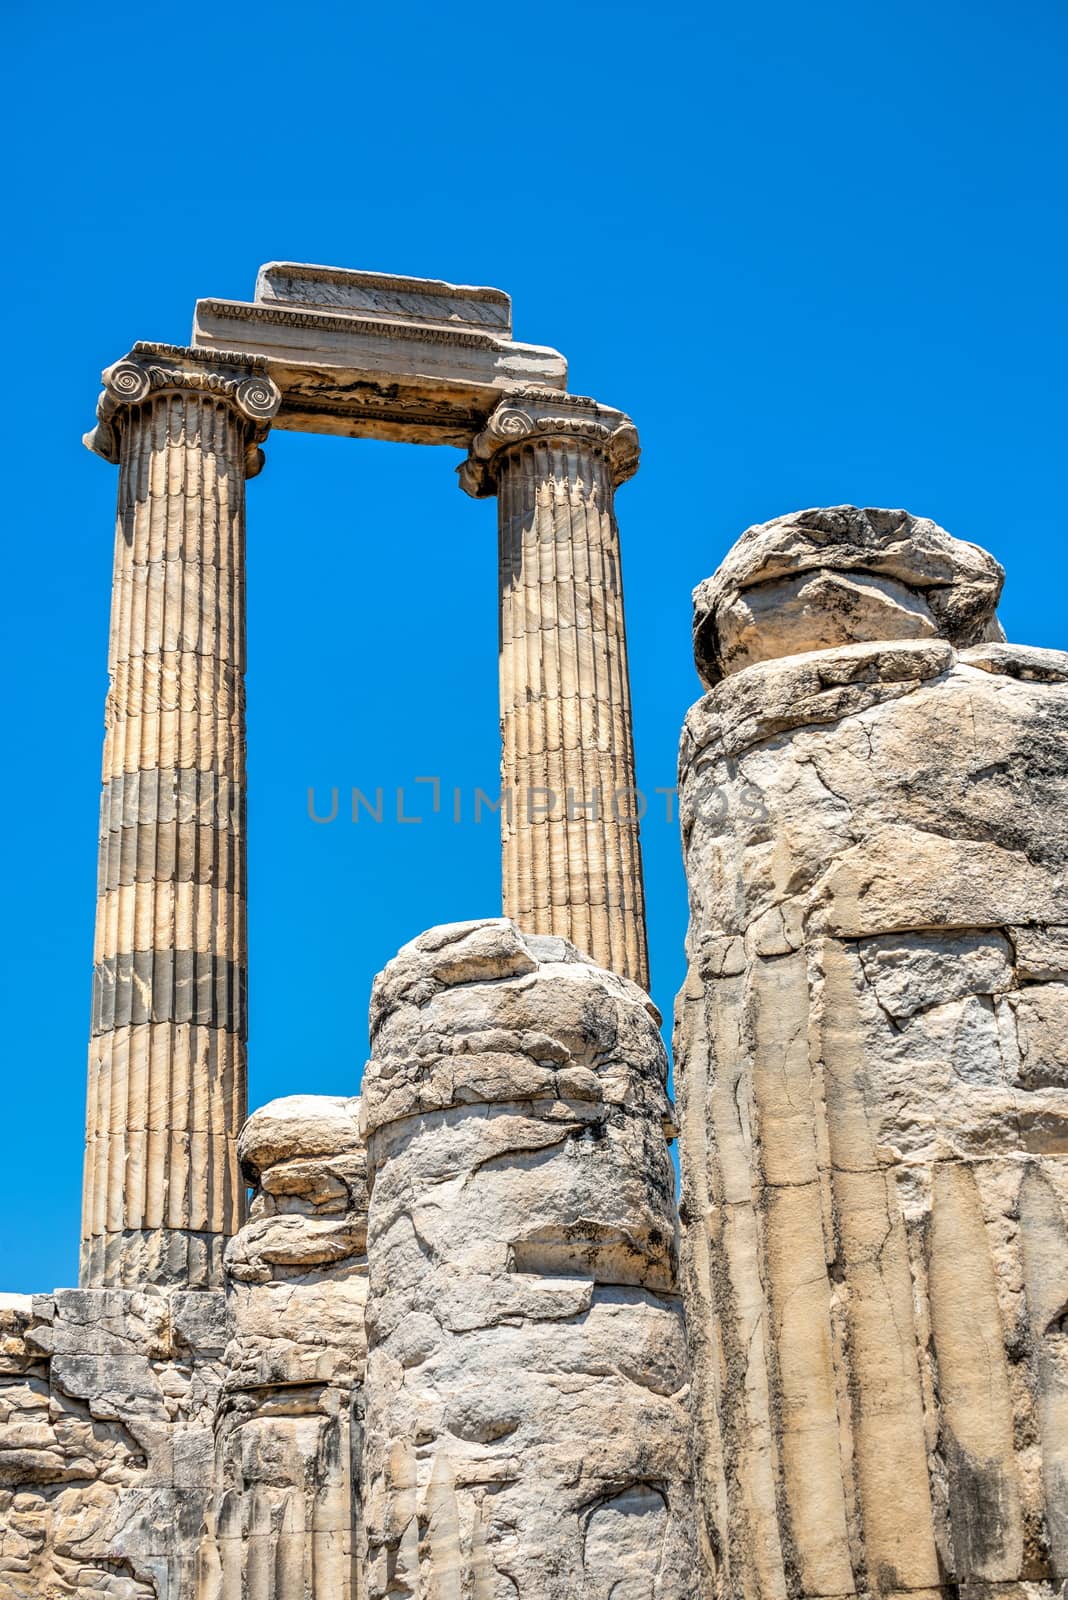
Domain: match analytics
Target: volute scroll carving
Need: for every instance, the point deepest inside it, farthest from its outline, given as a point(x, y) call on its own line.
point(546, 415)
point(156, 369)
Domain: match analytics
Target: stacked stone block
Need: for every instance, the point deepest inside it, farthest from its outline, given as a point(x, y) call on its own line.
point(284, 1515)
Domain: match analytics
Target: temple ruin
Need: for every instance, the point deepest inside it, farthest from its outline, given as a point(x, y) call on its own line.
point(455, 1338)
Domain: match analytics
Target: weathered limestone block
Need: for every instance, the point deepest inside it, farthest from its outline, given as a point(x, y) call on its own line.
point(839, 575)
point(199, 1446)
point(527, 1383)
point(106, 1406)
point(283, 1520)
point(871, 1060)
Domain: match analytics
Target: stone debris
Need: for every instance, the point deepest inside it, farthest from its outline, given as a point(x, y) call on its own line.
point(107, 1401)
point(519, 1424)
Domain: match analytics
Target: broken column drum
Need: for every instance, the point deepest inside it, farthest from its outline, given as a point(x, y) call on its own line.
point(527, 1427)
point(870, 1062)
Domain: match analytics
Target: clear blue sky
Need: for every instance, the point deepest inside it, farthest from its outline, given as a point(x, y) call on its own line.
point(816, 251)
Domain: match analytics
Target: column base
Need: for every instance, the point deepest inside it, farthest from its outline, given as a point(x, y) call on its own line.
point(163, 1257)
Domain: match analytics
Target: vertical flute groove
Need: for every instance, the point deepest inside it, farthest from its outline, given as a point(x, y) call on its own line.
point(565, 704)
point(167, 1057)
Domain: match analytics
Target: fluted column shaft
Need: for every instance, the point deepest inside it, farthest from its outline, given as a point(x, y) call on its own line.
point(167, 1060)
point(570, 832)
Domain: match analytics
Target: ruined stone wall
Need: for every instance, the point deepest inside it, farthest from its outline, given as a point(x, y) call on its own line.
point(527, 1431)
point(520, 1425)
point(872, 1069)
point(107, 1402)
point(202, 1446)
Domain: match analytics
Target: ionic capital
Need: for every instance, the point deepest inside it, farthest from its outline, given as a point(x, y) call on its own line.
point(547, 416)
point(149, 370)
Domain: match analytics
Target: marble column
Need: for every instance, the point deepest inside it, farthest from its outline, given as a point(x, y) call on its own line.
point(570, 808)
point(167, 1080)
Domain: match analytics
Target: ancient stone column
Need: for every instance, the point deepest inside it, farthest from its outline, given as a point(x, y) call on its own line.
point(569, 817)
point(872, 1068)
point(527, 1430)
point(167, 1090)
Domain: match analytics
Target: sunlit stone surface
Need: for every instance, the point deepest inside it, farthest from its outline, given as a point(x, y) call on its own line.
point(872, 1068)
point(447, 1352)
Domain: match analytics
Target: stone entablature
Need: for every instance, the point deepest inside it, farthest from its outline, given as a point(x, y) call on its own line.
point(374, 356)
point(420, 302)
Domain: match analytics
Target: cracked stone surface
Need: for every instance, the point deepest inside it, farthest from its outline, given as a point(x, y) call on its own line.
point(174, 1445)
point(839, 575)
point(283, 1519)
point(106, 1406)
point(527, 1381)
point(520, 1425)
point(872, 1064)
point(449, 1359)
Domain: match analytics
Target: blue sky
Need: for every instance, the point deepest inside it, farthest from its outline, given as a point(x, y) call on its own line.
point(816, 251)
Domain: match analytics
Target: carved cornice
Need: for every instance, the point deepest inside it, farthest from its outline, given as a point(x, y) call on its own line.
point(421, 299)
point(153, 370)
point(280, 315)
point(532, 415)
